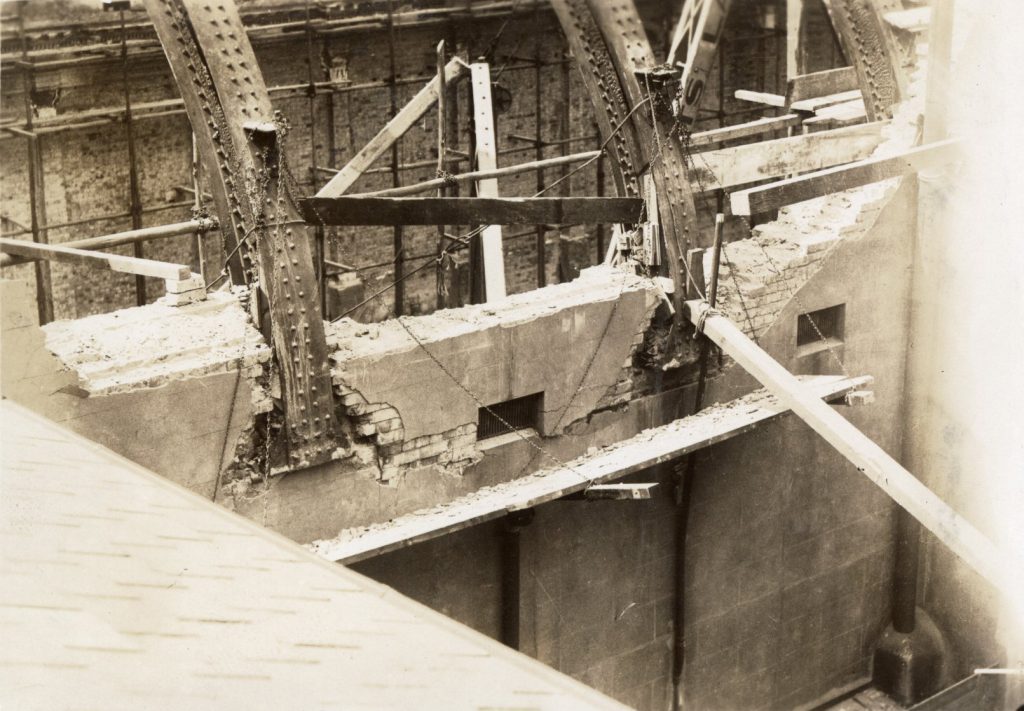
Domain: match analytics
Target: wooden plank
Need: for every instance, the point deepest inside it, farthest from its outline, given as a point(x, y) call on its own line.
point(649, 448)
point(486, 159)
point(951, 528)
point(846, 114)
point(761, 97)
point(729, 167)
point(830, 81)
point(395, 128)
point(480, 174)
point(116, 262)
point(199, 225)
point(350, 210)
point(814, 104)
point(764, 198)
point(742, 130)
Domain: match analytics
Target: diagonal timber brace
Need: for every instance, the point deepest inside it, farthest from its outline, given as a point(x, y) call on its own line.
point(238, 135)
point(956, 532)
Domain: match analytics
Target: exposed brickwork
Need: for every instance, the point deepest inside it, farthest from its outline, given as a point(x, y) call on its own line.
point(380, 425)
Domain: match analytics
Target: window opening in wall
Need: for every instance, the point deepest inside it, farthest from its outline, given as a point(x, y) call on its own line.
point(521, 413)
point(821, 329)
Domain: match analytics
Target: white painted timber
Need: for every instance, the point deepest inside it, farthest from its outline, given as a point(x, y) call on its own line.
point(486, 159)
point(760, 97)
point(1001, 568)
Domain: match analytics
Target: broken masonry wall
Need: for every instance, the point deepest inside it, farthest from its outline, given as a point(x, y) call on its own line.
point(790, 552)
point(410, 409)
point(175, 389)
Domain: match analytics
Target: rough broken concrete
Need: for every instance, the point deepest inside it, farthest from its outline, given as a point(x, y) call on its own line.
point(179, 411)
point(568, 341)
point(156, 344)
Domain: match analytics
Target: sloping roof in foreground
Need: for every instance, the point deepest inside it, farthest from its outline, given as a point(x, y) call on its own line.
point(121, 590)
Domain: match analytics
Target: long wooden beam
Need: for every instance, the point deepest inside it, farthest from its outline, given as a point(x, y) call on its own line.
point(742, 130)
point(116, 262)
point(936, 515)
point(830, 81)
point(474, 175)
point(729, 167)
point(769, 197)
point(176, 229)
point(349, 210)
point(392, 131)
point(761, 97)
point(647, 449)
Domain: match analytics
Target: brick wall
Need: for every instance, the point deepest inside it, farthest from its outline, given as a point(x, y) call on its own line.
point(85, 170)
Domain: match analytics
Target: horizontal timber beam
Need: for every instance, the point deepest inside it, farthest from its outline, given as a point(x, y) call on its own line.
point(647, 449)
point(761, 97)
point(351, 210)
point(919, 501)
point(765, 198)
point(471, 176)
point(751, 162)
point(742, 130)
point(392, 131)
point(830, 81)
point(200, 225)
point(816, 103)
point(116, 262)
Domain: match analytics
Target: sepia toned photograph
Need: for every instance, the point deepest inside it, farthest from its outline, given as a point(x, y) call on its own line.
point(511, 355)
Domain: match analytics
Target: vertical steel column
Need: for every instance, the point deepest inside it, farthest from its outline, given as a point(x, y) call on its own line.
point(36, 186)
point(133, 172)
point(399, 246)
point(542, 255)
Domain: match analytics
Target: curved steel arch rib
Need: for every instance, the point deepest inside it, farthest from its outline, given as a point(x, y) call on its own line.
point(238, 136)
point(608, 41)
